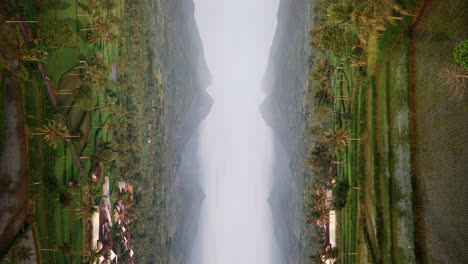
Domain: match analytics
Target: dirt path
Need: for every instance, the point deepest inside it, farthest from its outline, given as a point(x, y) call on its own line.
point(14, 167)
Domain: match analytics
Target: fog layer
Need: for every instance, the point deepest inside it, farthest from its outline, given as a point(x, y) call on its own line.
point(285, 83)
point(235, 142)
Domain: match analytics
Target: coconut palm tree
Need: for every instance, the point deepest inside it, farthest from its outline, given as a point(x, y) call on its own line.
point(319, 157)
point(109, 37)
point(21, 254)
point(52, 132)
point(86, 211)
point(338, 139)
point(323, 97)
point(90, 254)
point(455, 78)
point(334, 253)
point(357, 15)
point(316, 258)
point(93, 37)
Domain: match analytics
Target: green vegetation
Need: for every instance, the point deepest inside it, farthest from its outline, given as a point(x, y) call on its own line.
point(378, 87)
point(93, 94)
point(460, 53)
point(361, 116)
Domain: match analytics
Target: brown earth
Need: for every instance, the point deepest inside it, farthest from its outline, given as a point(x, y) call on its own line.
point(14, 167)
point(13, 155)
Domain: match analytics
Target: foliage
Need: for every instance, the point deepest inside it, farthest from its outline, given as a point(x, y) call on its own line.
point(52, 132)
point(105, 152)
point(336, 39)
point(53, 4)
point(322, 70)
point(21, 254)
point(323, 97)
point(65, 197)
point(95, 72)
point(320, 156)
point(36, 52)
point(340, 194)
point(51, 184)
point(83, 92)
point(460, 53)
point(337, 139)
point(55, 34)
point(332, 253)
point(21, 73)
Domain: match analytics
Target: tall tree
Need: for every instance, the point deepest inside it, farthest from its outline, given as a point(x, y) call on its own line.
point(55, 34)
point(53, 132)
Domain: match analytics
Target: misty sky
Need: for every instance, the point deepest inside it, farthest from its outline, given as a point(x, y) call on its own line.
point(235, 142)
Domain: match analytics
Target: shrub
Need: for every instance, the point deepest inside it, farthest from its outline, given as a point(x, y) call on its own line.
point(53, 4)
point(340, 194)
point(65, 197)
point(56, 34)
point(460, 53)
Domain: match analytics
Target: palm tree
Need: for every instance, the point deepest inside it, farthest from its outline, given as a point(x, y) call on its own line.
point(316, 258)
point(52, 132)
point(455, 78)
point(86, 211)
point(93, 37)
point(90, 254)
point(355, 14)
point(338, 139)
point(319, 157)
point(91, 6)
point(109, 37)
point(83, 91)
point(323, 97)
point(334, 253)
point(21, 254)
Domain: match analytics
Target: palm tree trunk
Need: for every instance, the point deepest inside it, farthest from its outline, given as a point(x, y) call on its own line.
point(69, 106)
point(21, 21)
point(87, 29)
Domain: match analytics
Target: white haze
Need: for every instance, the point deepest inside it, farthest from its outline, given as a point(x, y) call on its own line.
point(235, 142)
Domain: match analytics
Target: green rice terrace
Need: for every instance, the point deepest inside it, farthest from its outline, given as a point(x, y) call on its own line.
point(91, 96)
point(75, 73)
point(387, 95)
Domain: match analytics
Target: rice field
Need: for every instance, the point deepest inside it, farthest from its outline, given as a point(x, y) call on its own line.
point(440, 137)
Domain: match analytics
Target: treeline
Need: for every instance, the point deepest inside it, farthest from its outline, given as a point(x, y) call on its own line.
point(343, 34)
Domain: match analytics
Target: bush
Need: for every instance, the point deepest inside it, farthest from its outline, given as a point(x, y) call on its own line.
point(51, 184)
point(53, 4)
point(65, 197)
point(460, 53)
point(56, 34)
point(340, 194)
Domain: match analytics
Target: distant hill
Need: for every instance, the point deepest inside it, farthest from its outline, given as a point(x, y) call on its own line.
point(284, 83)
point(185, 77)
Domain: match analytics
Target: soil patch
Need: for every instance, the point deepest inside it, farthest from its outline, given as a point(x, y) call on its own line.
point(14, 168)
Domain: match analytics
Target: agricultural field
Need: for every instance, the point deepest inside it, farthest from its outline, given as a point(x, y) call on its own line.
point(440, 125)
point(80, 71)
point(387, 132)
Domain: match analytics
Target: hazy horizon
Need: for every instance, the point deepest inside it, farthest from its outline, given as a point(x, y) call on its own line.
point(236, 144)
